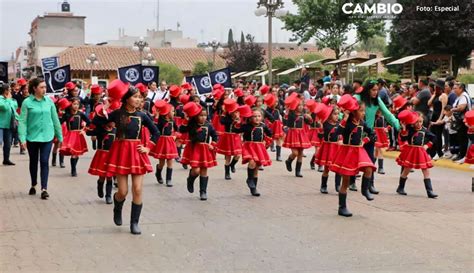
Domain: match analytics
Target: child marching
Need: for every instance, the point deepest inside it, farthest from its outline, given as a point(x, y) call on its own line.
point(381, 131)
point(313, 130)
point(277, 125)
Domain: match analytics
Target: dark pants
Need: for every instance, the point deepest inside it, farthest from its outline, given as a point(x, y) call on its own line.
point(7, 143)
point(370, 149)
point(437, 148)
point(453, 144)
point(39, 151)
point(462, 140)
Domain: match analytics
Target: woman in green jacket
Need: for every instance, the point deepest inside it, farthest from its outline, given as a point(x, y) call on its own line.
point(8, 121)
point(39, 124)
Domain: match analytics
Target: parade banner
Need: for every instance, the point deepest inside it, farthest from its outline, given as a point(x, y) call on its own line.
point(150, 74)
point(57, 78)
point(202, 83)
point(4, 72)
point(131, 74)
point(50, 63)
point(222, 77)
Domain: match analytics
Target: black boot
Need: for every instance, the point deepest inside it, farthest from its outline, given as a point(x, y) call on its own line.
point(158, 176)
point(94, 145)
point(53, 160)
point(73, 166)
point(118, 205)
point(232, 164)
point(190, 182)
point(278, 153)
point(203, 187)
point(337, 182)
point(401, 186)
point(251, 179)
point(298, 169)
point(380, 169)
point(108, 191)
point(254, 191)
point(61, 161)
point(135, 218)
point(343, 211)
point(429, 188)
point(365, 188)
point(227, 172)
point(288, 164)
point(100, 188)
point(324, 185)
point(472, 185)
point(372, 188)
point(169, 174)
point(272, 147)
point(311, 163)
point(352, 184)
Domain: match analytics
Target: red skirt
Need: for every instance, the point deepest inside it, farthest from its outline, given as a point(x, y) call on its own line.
point(296, 139)
point(74, 143)
point(382, 138)
point(229, 144)
point(350, 160)
point(277, 129)
point(125, 159)
point(98, 165)
point(470, 155)
point(165, 148)
point(326, 153)
point(257, 152)
point(414, 157)
point(145, 136)
point(216, 123)
point(313, 135)
point(198, 155)
point(178, 121)
point(64, 131)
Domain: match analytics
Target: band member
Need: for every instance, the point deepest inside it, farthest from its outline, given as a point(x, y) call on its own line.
point(219, 96)
point(277, 125)
point(381, 130)
point(313, 130)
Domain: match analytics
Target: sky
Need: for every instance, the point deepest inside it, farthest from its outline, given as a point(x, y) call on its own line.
point(199, 19)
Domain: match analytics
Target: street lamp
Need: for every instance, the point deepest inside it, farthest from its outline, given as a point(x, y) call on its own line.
point(270, 8)
point(142, 46)
point(350, 66)
point(214, 47)
point(92, 60)
point(149, 60)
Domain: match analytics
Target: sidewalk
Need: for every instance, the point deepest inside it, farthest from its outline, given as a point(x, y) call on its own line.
point(445, 163)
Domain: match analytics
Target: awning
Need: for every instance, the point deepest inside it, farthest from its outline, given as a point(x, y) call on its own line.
point(288, 71)
point(248, 74)
point(264, 73)
point(238, 74)
point(407, 59)
point(346, 60)
point(373, 61)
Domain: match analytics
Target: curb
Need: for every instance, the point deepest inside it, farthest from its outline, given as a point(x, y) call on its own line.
point(444, 163)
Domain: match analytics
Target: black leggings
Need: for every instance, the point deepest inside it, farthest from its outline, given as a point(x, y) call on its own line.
point(437, 148)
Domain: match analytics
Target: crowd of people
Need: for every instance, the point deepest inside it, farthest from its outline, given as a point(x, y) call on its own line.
point(346, 127)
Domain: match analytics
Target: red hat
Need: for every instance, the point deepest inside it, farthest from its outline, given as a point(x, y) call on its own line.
point(245, 111)
point(99, 109)
point(53, 98)
point(115, 104)
point(141, 87)
point(469, 118)
point(63, 104)
point(292, 102)
point(187, 86)
point(408, 117)
point(238, 92)
point(21, 81)
point(323, 112)
point(250, 100)
point(326, 100)
point(70, 85)
point(230, 105)
point(192, 109)
point(359, 90)
point(218, 93)
point(160, 103)
point(184, 98)
point(399, 101)
point(165, 109)
point(348, 102)
point(270, 100)
point(175, 91)
point(264, 89)
point(96, 89)
point(117, 89)
point(217, 86)
point(311, 105)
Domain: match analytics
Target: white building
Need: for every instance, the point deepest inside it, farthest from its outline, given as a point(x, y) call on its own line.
point(156, 39)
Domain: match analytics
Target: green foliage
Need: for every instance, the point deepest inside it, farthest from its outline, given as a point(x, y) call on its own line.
point(202, 68)
point(283, 63)
point(373, 44)
point(230, 38)
point(466, 78)
point(309, 57)
point(170, 73)
point(244, 56)
point(324, 21)
point(242, 38)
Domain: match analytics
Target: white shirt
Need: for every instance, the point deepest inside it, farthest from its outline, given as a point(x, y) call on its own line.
point(158, 95)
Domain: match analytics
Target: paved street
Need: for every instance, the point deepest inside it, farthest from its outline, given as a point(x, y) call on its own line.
point(291, 227)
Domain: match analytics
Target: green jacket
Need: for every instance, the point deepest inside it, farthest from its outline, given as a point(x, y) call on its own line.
point(371, 111)
point(39, 121)
point(7, 108)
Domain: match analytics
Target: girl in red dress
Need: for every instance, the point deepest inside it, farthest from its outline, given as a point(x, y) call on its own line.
point(104, 137)
point(74, 143)
point(414, 155)
point(381, 131)
point(254, 150)
point(329, 116)
point(469, 121)
point(351, 156)
point(296, 139)
point(314, 130)
point(199, 152)
point(128, 156)
point(230, 144)
point(277, 125)
point(165, 149)
point(219, 95)
point(61, 106)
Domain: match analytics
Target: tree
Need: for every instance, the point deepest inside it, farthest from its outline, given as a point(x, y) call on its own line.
point(324, 21)
point(242, 38)
point(230, 38)
point(373, 44)
point(244, 56)
point(202, 68)
point(283, 63)
point(433, 34)
point(170, 73)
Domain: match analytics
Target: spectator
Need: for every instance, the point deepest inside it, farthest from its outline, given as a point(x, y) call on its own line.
point(335, 92)
point(305, 78)
point(448, 90)
point(8, 121)
point(413, 91)
point(327, 77)
point(320, 86)
point(357, 86)
point(155, 94)
point(438, 102)
point(460, 107)
point(383, 92)
point(420, 101)
point(347, 89)
point(451, 140)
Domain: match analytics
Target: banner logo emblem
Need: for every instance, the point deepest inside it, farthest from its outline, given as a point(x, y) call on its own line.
point(132, 75)
point(60, 75)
